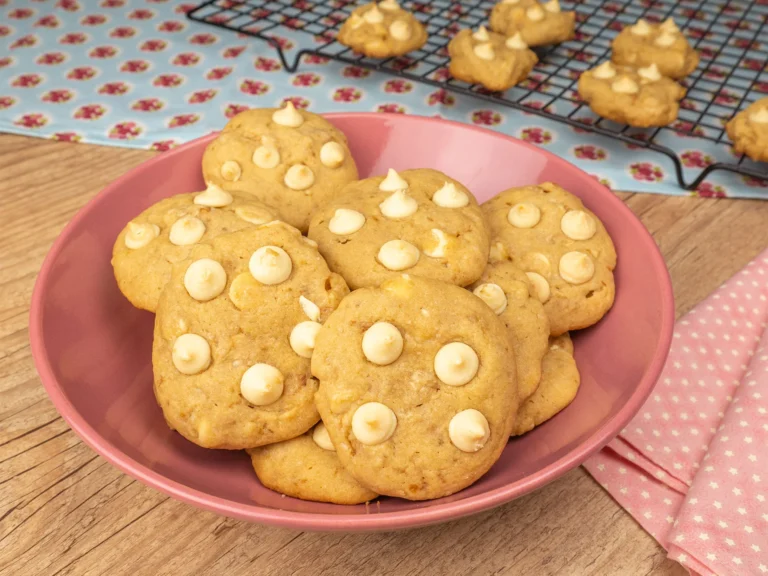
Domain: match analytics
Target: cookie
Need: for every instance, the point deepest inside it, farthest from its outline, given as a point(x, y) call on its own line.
point(165, 233)
point(234, 332)
point(538, 23)
point(382, 30)
point(508, 292)
point(643, 44)
point(497, 62)
point(560, 381)
point(417, 387)
point(639, 97)
point(419, 221)
point(307, 467)
point(563, 248)
point(749, 131)
point(288, 158)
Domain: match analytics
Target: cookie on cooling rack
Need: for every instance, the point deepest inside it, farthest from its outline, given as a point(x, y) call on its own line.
point(382, 30)
point(749, 131)
point(538, 23)
point(644, 44)
point(497, 62)
point(641, 97)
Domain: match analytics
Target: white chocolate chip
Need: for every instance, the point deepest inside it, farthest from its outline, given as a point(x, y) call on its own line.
point(670, 26)
point(650, 73)
point(578, 225)
point(553, 6)
point(214, 197)
point(299, 177)
point(398, 255)
point(186, 231)
point(309, 241)
point(231, 171)
point(373, 423)
point(576, 268)
point(604, 71)
point(205, 279)
point(524, 215)
point(760, 117)
point(540, 286)
point(441, 240)
point(390, 5)
point(450, 197)
point(535, 13)
point(641, 28)
point(311, 309)
point(373, 15)
point(484, 51)
point(469, 430)
point(625, 85)
point(516, 42)
point(270, 265)
point(382, 343)
point(266, 157)
point(498, 252)
point(139, 235)
point(400, 30)
point(332, 155)
point(398, 205)
point(456, 364)
point(302, 338)
point(393, 182)
point(665, 39)
point(191, 354)
point(253, 214)
point(346, 221)
point(288, 116)
point(262, 384)
point(493, 295)
point(321, 437)
point(481, 35)
point(355, 21)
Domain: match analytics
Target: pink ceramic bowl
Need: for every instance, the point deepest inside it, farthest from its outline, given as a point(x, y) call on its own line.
point(92, 348)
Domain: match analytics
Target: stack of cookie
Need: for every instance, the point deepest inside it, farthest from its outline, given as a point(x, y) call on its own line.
point(454, 337)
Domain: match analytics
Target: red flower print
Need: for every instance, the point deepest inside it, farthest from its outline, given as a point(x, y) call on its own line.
point(148, 105)
point(93, 20)
point(696, 159)
point(57, 96)
point(726, 97)
point(26, 81)
point(486, 117)
point(589, 152)
point(761, 86)
point(254, 87)
point(73, 38)
point(283, 43)
point(232, 51)
point(134, 66)
point(49, 21)
point(202, 96)
point(171, 26)
point(398, 86)
point(754, 64)
point(162, 145)
point(694, 14)
point(82, 73)
point(646, 172)
point(260, 13)
point(302, 5)
point(347, 95)
point(125, 131)
point(24, 41)
point(403, 63)
point(31, 121)
point(737, 24)
point(141, 14)
point(294, 23)
point(707, 53)
point(183, 120)
point(715, 73)
point(112, 3)
point(51, 58)
point(184, 8)
point(755, 182)
point(746, 44)
point(20, 13)
point(298, 102)
point(689, 105)
point(186, 59)
point(306, 79)
point(233, 110)
point(536, 135)
point(315, 59)
point(707, 190)
point(66, 137)
point(390, 109)
point(355, 72)
point(153, 46)
point(440, 75)
point(6, 61)
point(122, 32)
point(203, 39)
point(325, 37)
point(685, 128)
point(103, 52)
point(582, 36)
point(68, 5)
point(90, 112)
point(4, 31)
point(168, 80)
point(266, 64)
point(114, 88)
point(218, 73)
point(442, 97)
point(6, 102)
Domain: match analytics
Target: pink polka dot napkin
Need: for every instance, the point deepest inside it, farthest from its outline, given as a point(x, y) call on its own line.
point(692, 466)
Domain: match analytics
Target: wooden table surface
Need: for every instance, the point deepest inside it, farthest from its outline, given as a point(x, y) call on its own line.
point(64, 510)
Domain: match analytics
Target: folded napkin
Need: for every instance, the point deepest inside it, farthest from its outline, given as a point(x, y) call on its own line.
point(692, 466)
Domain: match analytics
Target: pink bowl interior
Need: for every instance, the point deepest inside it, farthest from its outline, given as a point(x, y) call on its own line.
point(93, 349)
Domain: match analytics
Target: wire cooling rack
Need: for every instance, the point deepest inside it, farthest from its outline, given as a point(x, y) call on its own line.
point(728, 35)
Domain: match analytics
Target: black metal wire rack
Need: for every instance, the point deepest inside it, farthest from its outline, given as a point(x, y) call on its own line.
point(729, 36)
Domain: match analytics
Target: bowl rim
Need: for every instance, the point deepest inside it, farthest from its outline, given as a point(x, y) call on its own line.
point(420, 516)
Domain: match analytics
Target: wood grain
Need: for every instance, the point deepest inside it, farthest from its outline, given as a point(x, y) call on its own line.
point(65, 511)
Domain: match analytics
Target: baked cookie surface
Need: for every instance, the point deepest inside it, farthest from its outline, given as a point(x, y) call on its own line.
point(234, 331)
point(417, 387)
point(506, 289)
point(563, 247)
point(418, 221)
point(288, 158)
point(639, 97)
point(560, 381)
point(749, 131)
point(644, 43)
point(538, 23)
point(165, 233)
point(497, 62)
point(382, 30)
point(307, 467)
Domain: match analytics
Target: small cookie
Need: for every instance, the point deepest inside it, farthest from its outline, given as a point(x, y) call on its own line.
point(288, 158)
point(419, 221)
point(643, 44)
point(147, 248)
point(495, 61)
point(639, 97)
point(234, 331)
point(560, 381)
point(538, 23)
point(508, 292)
point(563, 248)
point(307, 467)
point(417, 387)
point(382, 30)
point(749, 131)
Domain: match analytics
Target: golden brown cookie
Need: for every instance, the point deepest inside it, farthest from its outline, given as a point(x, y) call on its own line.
point(639, 97)
point(508, 292)
point(147, 248)
point(234, 332)
point(497, 62)
point(307, 467)
point(417, 387)
point(382, 30)
point(643, 44)
point(749, 131)
point(538, 23)
point(560, 381)
point(419, 221)
point(563, 248)
point(291, 159)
